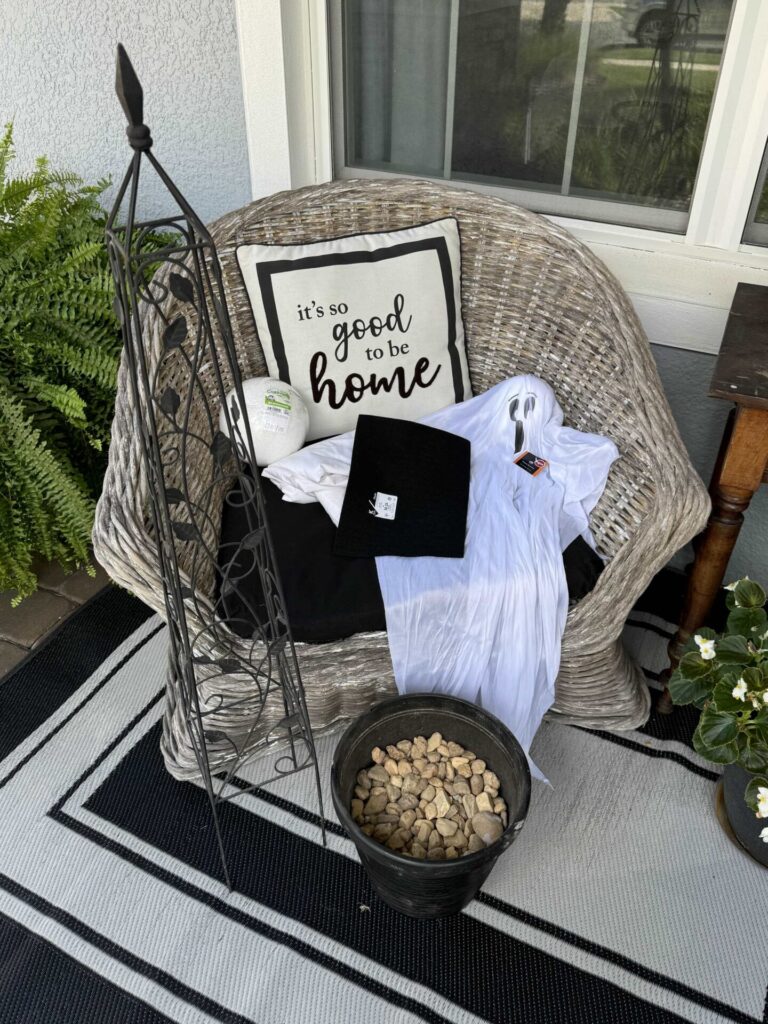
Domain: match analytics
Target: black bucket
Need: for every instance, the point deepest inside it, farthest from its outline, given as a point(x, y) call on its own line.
point(427, 888)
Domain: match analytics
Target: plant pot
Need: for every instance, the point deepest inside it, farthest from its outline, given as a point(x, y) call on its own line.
point(423, 888)
point(745, 826)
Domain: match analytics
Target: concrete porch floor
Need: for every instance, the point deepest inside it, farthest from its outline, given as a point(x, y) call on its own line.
point(59, 594)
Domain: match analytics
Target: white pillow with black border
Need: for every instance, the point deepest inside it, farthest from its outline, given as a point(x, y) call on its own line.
point(363, 324)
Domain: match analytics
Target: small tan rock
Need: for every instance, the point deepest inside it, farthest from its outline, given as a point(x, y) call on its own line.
point(470, 755)
point(484, 802)
point(393, 808)
point(436, 853)
point(454, 749)
point(464, 771)
point(448, 787)
point(441, 770)
point(419, 764)
point(396, 780)
point(407, 818)
point(411, 783)
point(491, 780)
point(435, 839)
point(478, 766)
point(430, 811)
point(387, 818)
point(391, 766)
point(404, 767)
point(356, 809)
point(499, 805)
point(376, 774)
point(363, 779)
point(361, 793)
point(460, 786)
point(375, 804)
point(408, 802)
point(378, 755)
point(429, 772)
point(456, 761)
point(441, 803)
point(396, 841)
point(393, 793)
point(487, 826)
point(443, 750)
point(476, 784)
point(418, 851)
point(475, 844)
point(433, 757)
point(434, 741)
point(393, 752)
point(458, 839)
point(428, 793)
point(470, 805)
point(405, 745)
point(437, 782)
point(451, 853)
point(453, 812)
point(382, 832)
point(368, 829)
point(446, 827)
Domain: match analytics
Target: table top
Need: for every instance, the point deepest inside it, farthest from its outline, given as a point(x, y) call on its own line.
point(741, 371)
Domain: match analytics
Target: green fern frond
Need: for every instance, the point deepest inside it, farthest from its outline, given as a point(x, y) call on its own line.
point(59, 348)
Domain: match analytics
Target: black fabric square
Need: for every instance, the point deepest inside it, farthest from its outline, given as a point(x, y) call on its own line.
point(407, 493)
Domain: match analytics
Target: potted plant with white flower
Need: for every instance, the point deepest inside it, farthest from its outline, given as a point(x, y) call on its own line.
point(726, 676)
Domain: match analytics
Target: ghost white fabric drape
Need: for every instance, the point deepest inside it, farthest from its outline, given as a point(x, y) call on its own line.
point(487, 627)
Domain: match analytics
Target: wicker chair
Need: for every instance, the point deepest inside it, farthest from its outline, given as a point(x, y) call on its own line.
point(534, 301)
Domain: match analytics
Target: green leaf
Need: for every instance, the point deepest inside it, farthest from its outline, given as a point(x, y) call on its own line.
point(733, 650)
point(759, 726)
point(749, 594)
point(750, 793)
point(749, 622)
point(726, 753)
point(717, 728)
point(753, 754)
point(722, 695)
point(688, 691)
point(693, 666)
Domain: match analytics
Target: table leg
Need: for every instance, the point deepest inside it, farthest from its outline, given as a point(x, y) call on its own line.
point(739, 475)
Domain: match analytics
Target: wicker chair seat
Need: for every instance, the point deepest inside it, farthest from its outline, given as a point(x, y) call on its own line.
point(535, 300)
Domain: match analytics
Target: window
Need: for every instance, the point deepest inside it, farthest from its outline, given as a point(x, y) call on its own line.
point(757, 223)
point(588, 108)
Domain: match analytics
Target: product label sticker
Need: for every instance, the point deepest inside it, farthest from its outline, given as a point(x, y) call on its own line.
point(531, 463)
point(383, 506)
point(276, 411)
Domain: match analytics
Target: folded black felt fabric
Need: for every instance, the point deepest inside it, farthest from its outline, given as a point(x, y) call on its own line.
point(407, 493)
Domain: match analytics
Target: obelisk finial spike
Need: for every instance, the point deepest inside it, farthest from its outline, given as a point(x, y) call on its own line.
point(131, 96)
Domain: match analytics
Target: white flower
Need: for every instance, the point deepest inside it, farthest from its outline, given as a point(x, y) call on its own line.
point(706, 647)
point(755, 703)
point(764, 835)
point(765, 696)
point(762, 801)
point(740, 690)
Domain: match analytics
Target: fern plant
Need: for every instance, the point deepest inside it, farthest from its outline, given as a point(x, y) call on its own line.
point(59, 347)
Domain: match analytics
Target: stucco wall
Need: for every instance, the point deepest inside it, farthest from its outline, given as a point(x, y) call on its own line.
point(56, 84)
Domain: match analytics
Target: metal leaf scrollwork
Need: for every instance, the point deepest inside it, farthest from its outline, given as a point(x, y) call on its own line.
point(175, 333)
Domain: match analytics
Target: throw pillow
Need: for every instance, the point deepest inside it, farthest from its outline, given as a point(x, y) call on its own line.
point(367, 323)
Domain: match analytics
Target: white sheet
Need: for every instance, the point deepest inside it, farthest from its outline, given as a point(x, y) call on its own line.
point(487, 627)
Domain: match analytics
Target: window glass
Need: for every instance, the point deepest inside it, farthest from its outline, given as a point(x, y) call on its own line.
point(757, 223)
point(598, 102)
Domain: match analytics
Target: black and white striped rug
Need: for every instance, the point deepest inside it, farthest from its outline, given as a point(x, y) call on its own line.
point(622, 900)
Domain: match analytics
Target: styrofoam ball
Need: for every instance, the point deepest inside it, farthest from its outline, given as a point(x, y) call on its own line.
point(277, 415)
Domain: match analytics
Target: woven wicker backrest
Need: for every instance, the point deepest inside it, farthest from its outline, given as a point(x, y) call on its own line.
point(534, 300)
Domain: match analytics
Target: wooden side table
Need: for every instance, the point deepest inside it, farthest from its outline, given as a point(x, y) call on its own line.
point(741, 376)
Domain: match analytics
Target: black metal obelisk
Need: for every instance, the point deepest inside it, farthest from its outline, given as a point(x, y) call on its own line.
point(167, 271)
